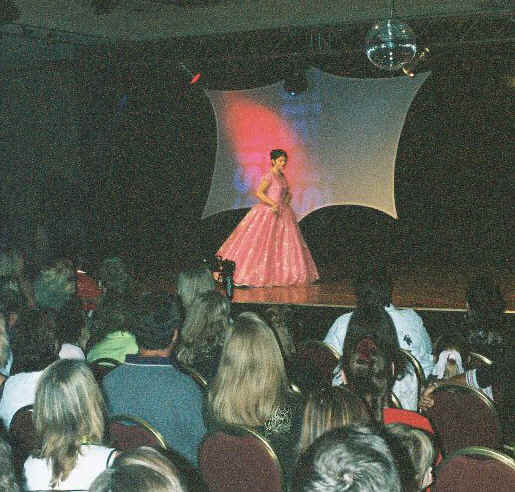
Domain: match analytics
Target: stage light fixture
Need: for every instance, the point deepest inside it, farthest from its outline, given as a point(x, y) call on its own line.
point(191, 77)
point(296, 82)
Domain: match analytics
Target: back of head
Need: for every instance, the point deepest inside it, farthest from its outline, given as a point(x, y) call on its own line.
point(157, 318)
point(114, 277)
point(192, 282)
point(55, 285)
point(251, 381)
point(374, 288)
point(450, 353)
point(154, 460)
point(4, 341)
point(416, 454)
point(133, 478)
point(113, 314)
point(350, 459)
point(205, 326)
point(7, 473)
point(485, 301)
point(330, 408)
point(371, 357)
point(68, 410)
point(35, 343)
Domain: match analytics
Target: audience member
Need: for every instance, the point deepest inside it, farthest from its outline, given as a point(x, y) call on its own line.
point(205, 328)
point(419, 449)
point(14, 278)
point(70, 323)
point(69, 423)
point(450, 355)
point(8, 482)
point(193, 282)
point(251, 387)
point(351, 459)
point(127, 474)
point(327, 409)
point(281, 319)
point(485, 327)
point(370, 363)
point(112, 330)
point(5, 351)
point(114, 278)
point(34, 346)
point(375, 289)
point(55, 285)
point(150, 385)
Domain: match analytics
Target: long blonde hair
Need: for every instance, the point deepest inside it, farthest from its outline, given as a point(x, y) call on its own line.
point(191, 283)
point(251, 382)
point(330, 408)
point(205, 326)
point(68, 411)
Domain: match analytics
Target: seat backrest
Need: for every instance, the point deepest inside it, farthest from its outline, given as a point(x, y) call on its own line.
point(22, 436)
point(128, 432)
point(475, 468)
point(417, 368)
point(197, 377)
point(313, 364)
point(237, 459)
point(477, 360)
point(464, 417)
point(103, 366)
point(21, 430)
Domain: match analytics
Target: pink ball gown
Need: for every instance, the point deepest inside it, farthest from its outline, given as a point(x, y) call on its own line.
point(268, 247)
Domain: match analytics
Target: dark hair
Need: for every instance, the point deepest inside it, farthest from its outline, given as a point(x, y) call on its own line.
point(70, 320)
point(276, 153)
point(157, 316)
point(7, 472)
point(370, 348)
point(113, 314)
point(374, 288)
point(485, 300)
point(34, 343)
point(355, 458)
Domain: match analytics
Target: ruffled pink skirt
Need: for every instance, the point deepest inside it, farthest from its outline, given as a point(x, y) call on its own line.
point(269, 249)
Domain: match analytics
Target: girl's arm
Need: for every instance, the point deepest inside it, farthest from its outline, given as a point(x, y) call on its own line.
point(263, 197)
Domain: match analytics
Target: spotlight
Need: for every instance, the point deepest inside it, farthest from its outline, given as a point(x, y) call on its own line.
point(192, 78)
point(296, 82)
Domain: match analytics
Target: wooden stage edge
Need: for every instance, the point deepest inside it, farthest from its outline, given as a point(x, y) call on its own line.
point(426, 290)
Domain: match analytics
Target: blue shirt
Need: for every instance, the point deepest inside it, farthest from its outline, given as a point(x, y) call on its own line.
point(154, 389)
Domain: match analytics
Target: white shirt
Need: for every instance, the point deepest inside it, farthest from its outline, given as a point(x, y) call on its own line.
point(412, 336)
point(91, 462)
point(19, 390)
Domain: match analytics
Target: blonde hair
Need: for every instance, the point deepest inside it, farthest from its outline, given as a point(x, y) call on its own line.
point(4, 341)
point(191, 283)
point(68, 411)
point(153, 459)
point(205, 326)
point(330, 408)
point(251, 382)
point(419, 447)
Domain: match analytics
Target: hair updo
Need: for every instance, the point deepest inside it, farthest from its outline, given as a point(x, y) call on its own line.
point(276, 153)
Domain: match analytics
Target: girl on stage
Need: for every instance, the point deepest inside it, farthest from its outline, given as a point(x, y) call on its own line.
point(267, 245)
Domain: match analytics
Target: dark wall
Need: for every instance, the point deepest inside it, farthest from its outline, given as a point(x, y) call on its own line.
point(128, 169)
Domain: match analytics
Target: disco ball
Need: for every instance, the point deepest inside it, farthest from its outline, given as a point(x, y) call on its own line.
point(390, 44)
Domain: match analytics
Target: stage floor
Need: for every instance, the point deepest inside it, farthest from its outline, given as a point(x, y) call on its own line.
point(421, 288)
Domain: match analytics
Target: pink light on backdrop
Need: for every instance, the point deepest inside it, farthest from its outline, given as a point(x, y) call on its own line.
point(254, 130)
